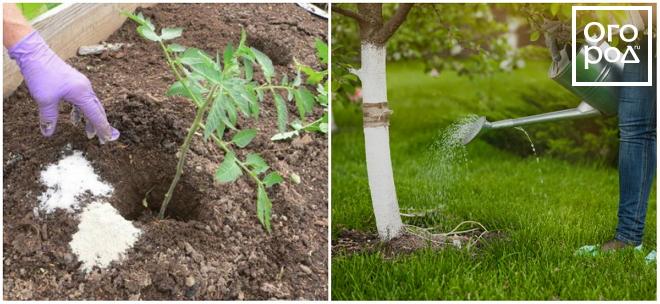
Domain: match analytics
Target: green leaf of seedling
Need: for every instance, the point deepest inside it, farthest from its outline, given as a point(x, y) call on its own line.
point(245, 98)
point(241, 42)
point(228, 171)
point(228, 56)
point(257, 163)
point(322, 98)
point(176, 48)
point(260, 95)
point(243, 50)
point(265, 63)
point(249, 72)
point(178, 89)
point(220, 131)
point(223, 112)
point(282, 113)
point(239, 96)
point(214, 118)
point(147, 22)
point(244, 137)
point(320, 125)
point(232, 115)
point(272, 178)
point(214, 125)
point(148, 33)
point(131, 16)
point(322, 88)
point(264, 208)
point(139, 19)
point(169, 33)
point(298, 80)
point(247, 53)
point(296, 125)
point(313, 77)
point(201, 63)
point(285, 80)
point(321, 50)
point(304, 101)
point(252, 100)
point(284, 135)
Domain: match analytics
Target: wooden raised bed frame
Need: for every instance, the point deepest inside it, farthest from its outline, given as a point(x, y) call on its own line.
point(67, 27)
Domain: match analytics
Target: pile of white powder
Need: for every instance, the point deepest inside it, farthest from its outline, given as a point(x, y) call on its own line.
point(103, 234)
point(66, 180)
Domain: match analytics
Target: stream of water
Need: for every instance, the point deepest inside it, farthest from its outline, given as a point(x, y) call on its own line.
point(531, 143)
point(449, 155)
point(538, 161)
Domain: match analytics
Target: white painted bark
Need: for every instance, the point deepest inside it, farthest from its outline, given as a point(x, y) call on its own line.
point(377, 145)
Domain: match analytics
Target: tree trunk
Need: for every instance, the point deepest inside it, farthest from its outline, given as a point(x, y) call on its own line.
point(374, 33)
point(377, 141)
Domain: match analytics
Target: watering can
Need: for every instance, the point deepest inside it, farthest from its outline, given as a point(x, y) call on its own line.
point(595, 100)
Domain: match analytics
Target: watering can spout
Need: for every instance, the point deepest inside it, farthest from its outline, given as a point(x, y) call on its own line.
point(583, 110)
point(596, 100)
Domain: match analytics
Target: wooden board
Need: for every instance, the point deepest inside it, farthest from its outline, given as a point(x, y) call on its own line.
point(67, 27)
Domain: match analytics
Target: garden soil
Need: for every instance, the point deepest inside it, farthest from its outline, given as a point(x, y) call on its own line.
point(211, 246)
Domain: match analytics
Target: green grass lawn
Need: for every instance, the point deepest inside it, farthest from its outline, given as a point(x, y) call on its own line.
point(547, 210)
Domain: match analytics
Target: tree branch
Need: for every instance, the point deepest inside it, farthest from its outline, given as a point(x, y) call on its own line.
point(348, 13)
point(395, 21)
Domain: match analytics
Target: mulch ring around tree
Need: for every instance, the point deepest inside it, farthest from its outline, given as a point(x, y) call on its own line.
point(411, 240)
point(211, 245)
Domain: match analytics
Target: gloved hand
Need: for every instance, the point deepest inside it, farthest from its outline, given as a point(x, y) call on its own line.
point(51, 80)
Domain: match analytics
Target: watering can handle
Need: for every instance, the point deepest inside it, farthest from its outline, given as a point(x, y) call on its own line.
point(550, 27)
point(551, 43)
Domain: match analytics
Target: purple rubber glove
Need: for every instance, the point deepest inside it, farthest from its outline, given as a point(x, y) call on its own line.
point(51, 80)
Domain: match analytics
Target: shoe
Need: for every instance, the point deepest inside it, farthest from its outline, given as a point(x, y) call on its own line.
point(615, 245)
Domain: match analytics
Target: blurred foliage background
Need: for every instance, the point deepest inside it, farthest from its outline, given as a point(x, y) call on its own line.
point(32, 10)
point(480, 42)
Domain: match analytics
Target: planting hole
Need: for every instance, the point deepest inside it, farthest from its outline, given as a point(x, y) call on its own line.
point(146, 181)
point(278, 51)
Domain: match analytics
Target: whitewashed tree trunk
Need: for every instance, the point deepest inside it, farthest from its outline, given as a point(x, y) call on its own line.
point(377, 144)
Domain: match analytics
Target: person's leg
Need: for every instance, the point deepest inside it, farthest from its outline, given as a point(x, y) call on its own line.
point(637, 153)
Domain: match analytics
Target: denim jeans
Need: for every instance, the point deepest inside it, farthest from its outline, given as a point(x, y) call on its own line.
point(637, 119)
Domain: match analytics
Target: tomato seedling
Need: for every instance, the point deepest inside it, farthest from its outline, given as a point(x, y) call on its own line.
point(222, 88)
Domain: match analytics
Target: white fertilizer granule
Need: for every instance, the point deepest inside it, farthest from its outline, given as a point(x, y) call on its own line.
point(70, 177)
point(103, 236)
